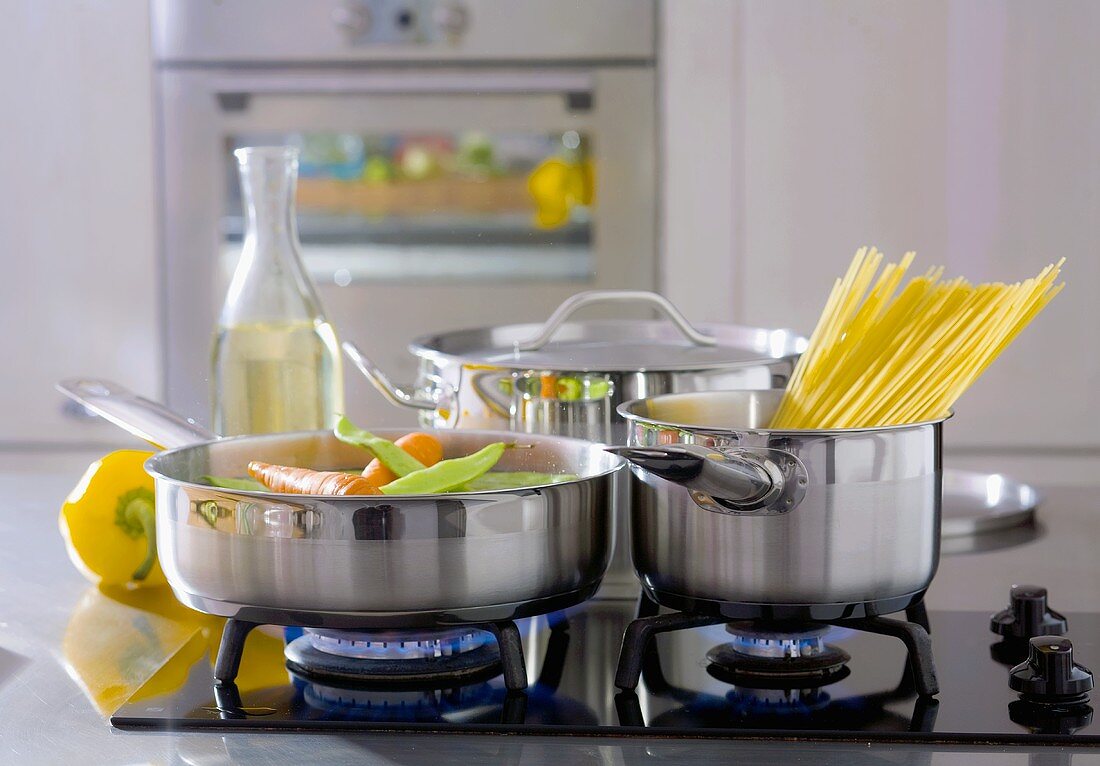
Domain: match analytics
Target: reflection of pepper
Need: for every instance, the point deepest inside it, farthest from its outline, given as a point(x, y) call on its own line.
point(111, 648)
point(108, 522)
point(133, 644)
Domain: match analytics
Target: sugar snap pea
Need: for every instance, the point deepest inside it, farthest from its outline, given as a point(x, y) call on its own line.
point(446, 474)
point(389, 454)
point(514, 480)
point(230, 483)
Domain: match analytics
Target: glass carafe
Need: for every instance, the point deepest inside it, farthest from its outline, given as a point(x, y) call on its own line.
point(276, 361)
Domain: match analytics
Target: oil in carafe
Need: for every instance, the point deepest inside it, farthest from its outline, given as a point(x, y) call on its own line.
point(276, 377)
point(275, 360)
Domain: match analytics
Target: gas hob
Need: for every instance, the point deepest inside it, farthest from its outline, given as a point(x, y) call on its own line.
point(827, 681)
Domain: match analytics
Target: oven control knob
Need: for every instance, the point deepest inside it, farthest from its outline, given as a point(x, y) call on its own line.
point(354, 19)
point(1049, 675)
point(451, 18)
point(1028, 615)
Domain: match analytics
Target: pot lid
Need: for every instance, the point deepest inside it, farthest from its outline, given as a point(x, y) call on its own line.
point(612, 346)
point(974, 503)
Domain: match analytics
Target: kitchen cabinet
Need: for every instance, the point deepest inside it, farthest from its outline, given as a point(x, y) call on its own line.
point(967, 131)
point(77, 227)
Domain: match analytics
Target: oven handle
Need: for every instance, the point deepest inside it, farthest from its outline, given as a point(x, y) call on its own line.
point(233, 93)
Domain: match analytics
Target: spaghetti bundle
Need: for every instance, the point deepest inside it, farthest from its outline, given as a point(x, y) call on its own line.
point(880, 356)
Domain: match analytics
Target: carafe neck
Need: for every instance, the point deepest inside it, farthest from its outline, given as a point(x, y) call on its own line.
point(269, 180)
point(270, 283)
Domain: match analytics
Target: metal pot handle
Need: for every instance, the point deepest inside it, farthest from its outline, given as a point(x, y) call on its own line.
point(571, 305)
point(142, 417)
point(395, 394)
point(761, 482)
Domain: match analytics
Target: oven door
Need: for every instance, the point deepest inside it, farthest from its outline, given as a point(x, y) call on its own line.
point(429, 199)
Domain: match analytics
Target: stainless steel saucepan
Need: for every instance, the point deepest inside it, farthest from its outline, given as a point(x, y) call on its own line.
point(367, 561)
point(565, 377)
point(734, 518)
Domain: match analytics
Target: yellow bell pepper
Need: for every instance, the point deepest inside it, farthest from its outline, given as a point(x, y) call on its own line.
point(556, 186)
point(108, 522)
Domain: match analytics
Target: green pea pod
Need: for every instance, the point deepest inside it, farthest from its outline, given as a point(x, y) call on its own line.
point(446, 474)
point(389, 454)
point(230, 483)
point(514, 480)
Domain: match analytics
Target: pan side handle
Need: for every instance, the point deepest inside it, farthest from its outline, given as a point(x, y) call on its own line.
point(395, 394)
point(142, 417)
point(739, 482)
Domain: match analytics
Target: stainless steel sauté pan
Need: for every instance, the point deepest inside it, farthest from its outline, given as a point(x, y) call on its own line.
point(367, 561)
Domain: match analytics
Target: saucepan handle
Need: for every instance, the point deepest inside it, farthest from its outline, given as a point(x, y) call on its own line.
point(395, 394)
point(142, 417)
point(761, 482)
point(571, 305)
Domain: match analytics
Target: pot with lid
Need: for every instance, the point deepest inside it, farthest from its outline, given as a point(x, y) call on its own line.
point(567, 377)
point(730, 517)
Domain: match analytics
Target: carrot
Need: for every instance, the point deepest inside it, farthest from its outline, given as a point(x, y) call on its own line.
point(548, 387)
point(424, 447)
point(303, 481)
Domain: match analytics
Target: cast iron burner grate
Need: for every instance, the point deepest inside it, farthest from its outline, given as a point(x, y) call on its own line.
point(459, 653)
point(756, 655)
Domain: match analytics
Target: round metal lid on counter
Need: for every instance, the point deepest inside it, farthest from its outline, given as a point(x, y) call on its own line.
point(974, 503)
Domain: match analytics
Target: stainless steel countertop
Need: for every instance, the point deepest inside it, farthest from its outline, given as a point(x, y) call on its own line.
point(46, 718)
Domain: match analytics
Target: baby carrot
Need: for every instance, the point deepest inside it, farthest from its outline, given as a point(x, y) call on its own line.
point(303, 481)
point(424, 447)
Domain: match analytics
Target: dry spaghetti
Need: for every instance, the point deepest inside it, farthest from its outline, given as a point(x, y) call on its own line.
point(880, 356)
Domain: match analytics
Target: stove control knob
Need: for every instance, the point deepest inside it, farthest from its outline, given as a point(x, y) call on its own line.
point(1028, 615)
point(452, 18)
point(1049, 675)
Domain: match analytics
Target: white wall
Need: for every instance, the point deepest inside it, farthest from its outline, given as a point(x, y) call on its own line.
point(702, 170)
point(967, 130)
point(78, 293)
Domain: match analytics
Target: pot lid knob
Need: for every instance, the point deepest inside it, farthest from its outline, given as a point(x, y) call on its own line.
point(1028, 615)
point(1049, 675)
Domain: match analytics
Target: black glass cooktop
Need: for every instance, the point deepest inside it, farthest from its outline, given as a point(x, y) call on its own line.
point(571, 691)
